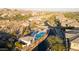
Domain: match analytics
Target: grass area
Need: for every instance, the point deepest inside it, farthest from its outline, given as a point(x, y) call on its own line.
point(72, 15)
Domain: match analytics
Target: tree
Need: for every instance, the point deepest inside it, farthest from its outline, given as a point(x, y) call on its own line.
point(55, 44)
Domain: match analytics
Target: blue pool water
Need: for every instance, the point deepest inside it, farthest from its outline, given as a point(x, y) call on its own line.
point(39, 35)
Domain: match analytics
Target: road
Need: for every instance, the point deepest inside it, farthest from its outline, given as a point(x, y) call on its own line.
point(71, 33)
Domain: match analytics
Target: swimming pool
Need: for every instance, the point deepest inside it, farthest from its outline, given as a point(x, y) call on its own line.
point(39, 35)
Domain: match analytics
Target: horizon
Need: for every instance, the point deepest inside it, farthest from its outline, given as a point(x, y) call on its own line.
point(47, 9)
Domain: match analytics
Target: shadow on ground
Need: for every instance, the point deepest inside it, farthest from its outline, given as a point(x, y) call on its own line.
point(7, 41)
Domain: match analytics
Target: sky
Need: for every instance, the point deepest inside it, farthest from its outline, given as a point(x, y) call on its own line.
point(54, 9)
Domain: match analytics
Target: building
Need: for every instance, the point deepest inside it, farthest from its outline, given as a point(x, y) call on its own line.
point(75, 44)
point(28, 40)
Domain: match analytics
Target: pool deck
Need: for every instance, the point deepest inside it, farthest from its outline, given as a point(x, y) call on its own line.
point(36, 43)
